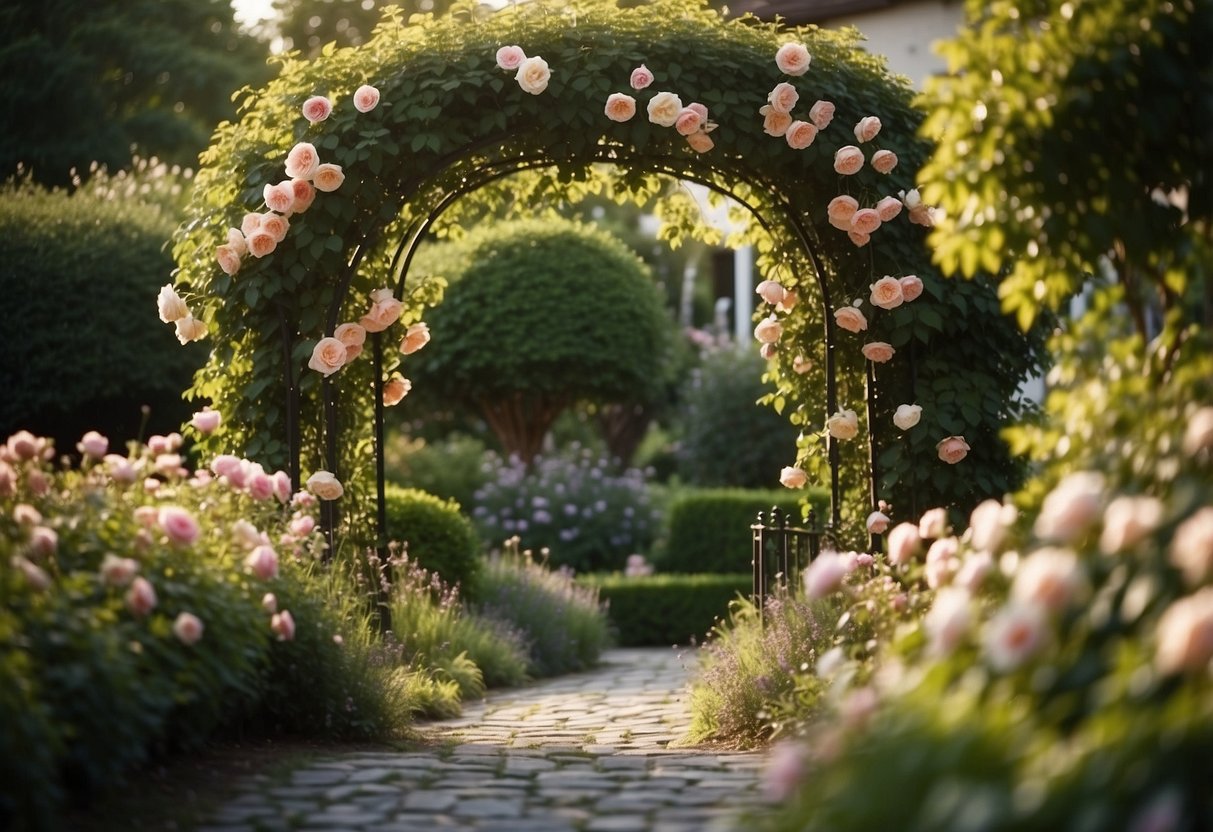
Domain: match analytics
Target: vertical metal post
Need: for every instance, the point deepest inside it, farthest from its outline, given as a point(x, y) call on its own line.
point(758, 544)
point(380, 468)
point(329, 516)
point(873, 450)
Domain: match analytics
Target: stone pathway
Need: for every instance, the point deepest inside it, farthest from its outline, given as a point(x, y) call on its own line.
point(591, 752)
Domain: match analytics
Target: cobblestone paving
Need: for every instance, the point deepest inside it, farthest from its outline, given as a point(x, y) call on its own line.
point(591, 752)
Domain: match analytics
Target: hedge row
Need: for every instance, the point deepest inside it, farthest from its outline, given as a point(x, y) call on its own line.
point(666, 609)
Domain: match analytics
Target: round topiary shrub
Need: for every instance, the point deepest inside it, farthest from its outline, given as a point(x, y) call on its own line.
point(438, 536)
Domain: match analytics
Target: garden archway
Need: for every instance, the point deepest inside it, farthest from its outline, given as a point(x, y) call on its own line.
point(448, 123)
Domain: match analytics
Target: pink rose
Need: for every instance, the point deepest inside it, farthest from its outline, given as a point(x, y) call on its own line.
point(43, 541)
point(703, 112)
point(787, 768)
point(279, 197)
point(206, 421)
point(941, 562)
point(328, 177)
point(867, 128)
point(8, 479)
point(700, 142)
point(904, 542)
point(33, 574)
point(190, 329)
point(395, 389)
point(783, 97)
point(533, 75)
point(774, 123)
point(226, 465)
point(188, 628)
point(769, 330)
point(328, 356)
point(800, 134)
point(228, 259)
point(120, 468)
point(770, 291)
point(989, 524)
point(1185, 635)
point(385, 311)
point(952, 449)
point(37, 482)
point(302, 525)
point(793, 477)
point(263, 562)
point(843, 425)
point(1129, 520)
point(24, 446)
point(1013, 636)
point(415, 337)
point(141, 597)
point(641, 77)
point(325, 485)
point(366, 98)
point(247, 535)
point(842, 208)
point(859, 238)
point(888, 208)
point(948, 622)
point(1071, 508)
point(260, 484)
point(793, 59)
point(510, 57)
point(689, 121)
point(865, 221)
point(911, 287)
point(886, 293)
point(883, 161)
point(261, 243)
point(283, 625)
point(848, 160)
point(878, 351)
point(1192, 546)
point(93, 445)
point(850, 319)
point(620, 107)
point(821, 114)
point(301, 162)
point(824, 575)
point(974, 571)
point(178, 525)
point(877, 522)
point(1051, 578)
point(305, 195)
point(663, 109)
point(933, 523)
point(116, 571)
point(276, 226)
point(282, 486)
point(317, 108)
point(172, 309)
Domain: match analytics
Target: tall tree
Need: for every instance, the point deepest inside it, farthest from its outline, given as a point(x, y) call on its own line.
point(307, 25)
point(87, 80)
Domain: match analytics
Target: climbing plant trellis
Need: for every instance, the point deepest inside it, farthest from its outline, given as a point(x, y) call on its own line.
point(309, 211)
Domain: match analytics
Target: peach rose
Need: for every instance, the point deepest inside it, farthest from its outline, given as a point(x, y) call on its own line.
point(800, 134)
point(801, 365)
point(641, 77)
point(842, 208)
point(911, 287)
point(206, 421)
point(821, 114)
point(843, 425)
point(1185, 635)
point(859, 238)
point(279, 197)
point(865, 221)
point(250, 224)
point(793, 477)
point(385, 311)
point(700, 142)
point(510, 57)
point(620, 107)
point(907, 416)
point(768, 330)
point(790, 299)
point(848, 160)
point(689, 121)
point(328, 177)
point(867, 128)
point(989, 523)
point(878, 351)
point(325, 485)
point(395, 389)
point(328, 356)
point(952, 449)
point(1051, 578)
point(793, 59)
point(188, 628)
point(261, 243)
point(228, 258)
point(415, 337)
point(317, 109)
point(366, 98)
point(235, 240)
point(141, 597)
point(1128, 520)
point(774, 123)
point(533, 75)
point(934, 523)
point(886, 293)
point(904, 543)
point(850, 319)
point(883, 161)
point(770, 291)
point(116, 571)
point(888, 208)
point(1198, 436)
point(302, 161)
point(190, 329)
point(783, 97)
point(878, 522)
point(172, 308)
point(282, 624)
point(1192, 546)
point(263, 562)
point(1071, 508)
point(663, 109)
point(305, 195)
point(352, 335)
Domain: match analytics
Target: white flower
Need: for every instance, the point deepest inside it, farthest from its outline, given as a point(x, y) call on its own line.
point(1014, 635)
point(948, 621)
point(907, 416)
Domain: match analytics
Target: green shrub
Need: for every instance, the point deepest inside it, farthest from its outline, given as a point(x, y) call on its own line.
point(562, 621)
point(666, 609)
point(452, 467)
point(708, 530)
point(438, 537)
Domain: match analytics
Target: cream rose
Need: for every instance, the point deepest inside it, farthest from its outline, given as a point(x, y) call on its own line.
point(172, 308)
point(793, 477)
point(1071, 508)
point(886, 293)
point(328, 356)
point(907, 416)
point(302, 161)
point(783, 97)
point(793, 59)
point(325, 485)
point(821, 114)
point(843, 425)
point(533, 75)
point(305, 195)
point(317, 108)
point(952, 449)
point(865, 221)
point(395, 389)
point(366, 98)
point(848, 160)
point(800, 134)
point(620, 107)
point(911, 287)
point(850, 319)
point(877, 522)
point(768, 330)
point(768, 351)
point(279, 197)
point(878, 351)
point(664, 108)
point(883, 161)
point(510, 57)
point(867, 129)
point(641, 77)
point(415, 337)
point(888, 208)
point(190, 329)
point(774, 123)
point(700, 142)
point(228, 259)
point(235, 240)
point(328, 177)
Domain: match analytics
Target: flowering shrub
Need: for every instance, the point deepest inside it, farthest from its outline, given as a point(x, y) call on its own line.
point(437, 536)
point(575, 505)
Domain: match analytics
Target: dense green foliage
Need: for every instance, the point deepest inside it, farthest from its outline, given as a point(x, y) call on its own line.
point(436, 535)
point(98, 76)
point(727, 438)
point(660, 610)
point(81, 272)
point(451, 467)
point(539, 315)
point(708, 530)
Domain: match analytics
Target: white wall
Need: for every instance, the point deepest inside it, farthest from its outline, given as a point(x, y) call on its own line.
point(905, 33)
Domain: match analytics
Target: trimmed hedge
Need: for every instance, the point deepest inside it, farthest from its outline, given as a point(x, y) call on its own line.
point(439, 537)
point(666, 609)
point(709, 529)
